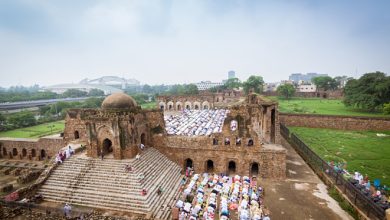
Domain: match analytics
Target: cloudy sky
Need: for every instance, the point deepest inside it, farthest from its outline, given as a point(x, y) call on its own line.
point(50, 42)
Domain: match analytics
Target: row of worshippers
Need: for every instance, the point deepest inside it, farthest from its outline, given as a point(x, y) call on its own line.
point(62, 155)
point(235, 193)
point(375, 192)
point(196, 122)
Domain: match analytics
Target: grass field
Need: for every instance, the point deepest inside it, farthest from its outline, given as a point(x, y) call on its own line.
point(36, 131)
point(319, 106)
point(363, 151)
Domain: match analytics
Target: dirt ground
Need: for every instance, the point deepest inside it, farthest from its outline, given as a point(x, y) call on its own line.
point(302, 195)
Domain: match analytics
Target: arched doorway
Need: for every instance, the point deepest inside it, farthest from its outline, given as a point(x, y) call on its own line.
point(209, 166)
point(188, 107)
point(205, 107)
point(33, 153)
point(196, 107)
point(231, 167)
point(254, 169)
point(76, 135)
point(107, 146)
point(170, 107)
point(179, 107)
point(143, 139)
point(14, 152)
point(188, 163)
point(4, 151)
point(24, 152)
point(43, 153)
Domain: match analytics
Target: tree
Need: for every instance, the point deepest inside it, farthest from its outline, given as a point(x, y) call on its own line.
point(2, 121)
point(21, 119)
point(147, 89)
point(286, 90)
point(253, 83)
point(191, 89)
point(74, 93)
point(386, 108)
point(369, 92)
point(233, 83)
point(96, 92)
point(325, 83)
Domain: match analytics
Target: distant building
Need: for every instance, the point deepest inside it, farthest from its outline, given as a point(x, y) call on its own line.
point(205, 85)
point(231, 74)
point(61, 88)
point(270, 87)
point(306, 78)
point(307, 88)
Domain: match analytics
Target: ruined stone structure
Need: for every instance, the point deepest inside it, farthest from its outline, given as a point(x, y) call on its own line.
point(120, 126)
point(202, 101)
point(32, 149)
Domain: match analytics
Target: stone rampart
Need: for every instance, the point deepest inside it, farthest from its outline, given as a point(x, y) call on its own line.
point(358, 123)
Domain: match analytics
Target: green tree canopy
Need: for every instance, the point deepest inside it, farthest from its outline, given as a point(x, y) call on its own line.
point(254, 83)
point(74, 93)
point(369, 92)
point(21, 119)
point(325, 83)
point(286, 90)
point(233, 83)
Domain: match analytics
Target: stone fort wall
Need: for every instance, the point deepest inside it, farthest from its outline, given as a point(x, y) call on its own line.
point(358, 123)
point(201, 153)
point(32, 149)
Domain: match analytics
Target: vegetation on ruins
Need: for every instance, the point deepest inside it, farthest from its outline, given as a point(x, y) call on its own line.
point(370, 92)
point(253, 83)
point(363, 151)
point(286, 90)
point(185, 89)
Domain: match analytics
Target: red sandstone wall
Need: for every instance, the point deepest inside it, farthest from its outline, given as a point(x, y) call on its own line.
point(336, 122)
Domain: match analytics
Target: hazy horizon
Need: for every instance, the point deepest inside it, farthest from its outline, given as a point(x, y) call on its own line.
point(170, 42)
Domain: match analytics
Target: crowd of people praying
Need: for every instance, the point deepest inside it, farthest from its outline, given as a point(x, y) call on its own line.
point(212, 196)
point(196, 122)
point(373, 190)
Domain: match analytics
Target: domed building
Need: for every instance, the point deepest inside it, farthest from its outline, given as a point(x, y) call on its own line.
point(117, 128)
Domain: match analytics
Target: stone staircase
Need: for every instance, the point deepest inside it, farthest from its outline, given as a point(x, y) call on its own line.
point(105, 184)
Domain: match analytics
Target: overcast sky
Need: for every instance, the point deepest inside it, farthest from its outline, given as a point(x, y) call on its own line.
point(51, 42)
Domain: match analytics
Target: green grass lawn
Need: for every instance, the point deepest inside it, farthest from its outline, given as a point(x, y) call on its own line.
point(363, 151)
point(36, 131)
point(149, 105)
point(319, 106)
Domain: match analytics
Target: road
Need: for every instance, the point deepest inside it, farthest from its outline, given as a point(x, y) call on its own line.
point(36, 103)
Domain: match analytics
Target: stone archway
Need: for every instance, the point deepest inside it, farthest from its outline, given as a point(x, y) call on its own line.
point(24, 152)
point(209, 166)
point(143, 139)
point(43, 153)
point(206, 105)
point(179, 106)
point(107, 146)
point(14, 152)
point(33, 153)
point(4, 151)
point(188, 163)
point(76, 135)
point(231, 167)
point(105, 143)
point(188, 105)
point(170, 106)
point(162, 105)
point(197, 106)
point(254, 169)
